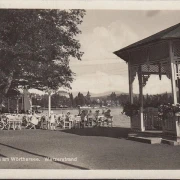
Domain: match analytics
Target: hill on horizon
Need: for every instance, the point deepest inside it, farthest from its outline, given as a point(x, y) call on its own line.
point(96, 95)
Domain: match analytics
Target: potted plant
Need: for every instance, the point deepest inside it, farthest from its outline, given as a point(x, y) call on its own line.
point(130, 109)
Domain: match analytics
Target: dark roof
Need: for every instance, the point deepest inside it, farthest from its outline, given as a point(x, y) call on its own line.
point(169, 33)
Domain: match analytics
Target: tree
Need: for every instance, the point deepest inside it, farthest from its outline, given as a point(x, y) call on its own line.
point(71, 99)
point(88, 98)
point(36, 47)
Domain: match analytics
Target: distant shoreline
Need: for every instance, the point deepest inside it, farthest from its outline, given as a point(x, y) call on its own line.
point(58, 108)
point(69, 108)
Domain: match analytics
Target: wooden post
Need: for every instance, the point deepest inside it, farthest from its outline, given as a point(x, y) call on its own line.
point(178, 90)
point(130, 88)
point(17, 105)
point(173, 83)
point(130, 83)
point(142, 128)
point(49, 104)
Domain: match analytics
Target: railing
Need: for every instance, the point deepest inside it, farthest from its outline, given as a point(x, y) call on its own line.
point(151, 119)
point(135, 122)
point(171, 125)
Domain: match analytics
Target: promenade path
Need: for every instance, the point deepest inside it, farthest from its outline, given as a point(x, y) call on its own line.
point(95, 148)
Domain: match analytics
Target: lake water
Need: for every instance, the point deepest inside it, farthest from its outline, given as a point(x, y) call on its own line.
point(119, 120)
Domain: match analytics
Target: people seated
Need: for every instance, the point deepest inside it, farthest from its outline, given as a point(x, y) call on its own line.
point(107, 113)
point(108, 117)
point(96, 114)
point(33, 121)
point(87, 117)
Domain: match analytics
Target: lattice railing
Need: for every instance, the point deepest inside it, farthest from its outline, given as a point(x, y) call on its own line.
point(176, 48)
point(151, 119)
point(153, 69)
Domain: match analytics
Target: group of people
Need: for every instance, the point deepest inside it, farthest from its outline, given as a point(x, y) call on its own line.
point(86, 118)
point(33, 120)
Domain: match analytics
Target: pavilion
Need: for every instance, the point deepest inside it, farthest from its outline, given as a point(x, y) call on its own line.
point(158, 54)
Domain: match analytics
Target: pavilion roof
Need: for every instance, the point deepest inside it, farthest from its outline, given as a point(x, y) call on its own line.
point(172, 32)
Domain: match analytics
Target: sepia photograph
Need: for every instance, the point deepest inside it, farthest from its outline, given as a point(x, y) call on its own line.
point(89, 89)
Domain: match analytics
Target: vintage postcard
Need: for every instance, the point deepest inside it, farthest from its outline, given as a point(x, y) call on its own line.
point(89, 89)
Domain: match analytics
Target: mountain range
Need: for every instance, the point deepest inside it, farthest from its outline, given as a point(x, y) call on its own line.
point(96, 95)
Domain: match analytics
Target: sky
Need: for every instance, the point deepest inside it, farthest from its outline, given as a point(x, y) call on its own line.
point(105, 31)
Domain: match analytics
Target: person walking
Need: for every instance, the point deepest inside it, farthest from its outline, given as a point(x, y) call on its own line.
point(52, 121)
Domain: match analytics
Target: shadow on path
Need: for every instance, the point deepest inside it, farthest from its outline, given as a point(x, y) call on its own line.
point(114, 132)
point(1, 155)
point(59, 162)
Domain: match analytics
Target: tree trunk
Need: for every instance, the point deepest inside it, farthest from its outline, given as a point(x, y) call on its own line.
point(6, 88)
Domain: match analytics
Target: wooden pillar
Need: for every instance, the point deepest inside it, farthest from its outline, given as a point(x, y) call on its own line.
point(130, 83)
point(173, 81)
point(17, 105)
point(140, 78)
point(178, 90)
point(130, 87)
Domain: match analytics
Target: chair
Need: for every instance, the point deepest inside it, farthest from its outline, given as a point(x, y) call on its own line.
point(77, 122)
point(3, 121)
point(66, 122)
point(44, 123)
point(108, 120)
point(91, 120)
point(14, 122)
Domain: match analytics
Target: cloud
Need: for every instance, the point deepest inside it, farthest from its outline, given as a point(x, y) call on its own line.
point(102, 82)
point(98, 46)
point(103, 41)
point(100, 70)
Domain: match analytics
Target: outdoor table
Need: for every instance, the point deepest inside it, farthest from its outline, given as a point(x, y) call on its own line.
point(14, 123)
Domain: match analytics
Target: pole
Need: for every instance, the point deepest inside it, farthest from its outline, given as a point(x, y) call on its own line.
point(130, 83)
point(178, 90)
point(17, 105)
point(141, 99)
point(130, 88)
point(173, 83)
point(49, 104)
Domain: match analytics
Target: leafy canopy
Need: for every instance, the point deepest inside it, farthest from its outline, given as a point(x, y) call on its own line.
point(36, 47)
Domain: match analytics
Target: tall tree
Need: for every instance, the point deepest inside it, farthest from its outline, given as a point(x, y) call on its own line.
point(71, 99)
point(36, 47)
point(88, 98)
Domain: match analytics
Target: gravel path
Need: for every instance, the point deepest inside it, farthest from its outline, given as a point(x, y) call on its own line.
point(95, 148)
